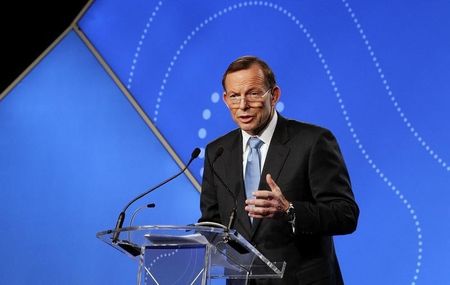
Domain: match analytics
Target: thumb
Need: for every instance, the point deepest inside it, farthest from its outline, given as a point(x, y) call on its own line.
point(273, 186)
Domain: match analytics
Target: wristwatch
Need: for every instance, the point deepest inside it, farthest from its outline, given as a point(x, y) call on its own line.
point(290, 214)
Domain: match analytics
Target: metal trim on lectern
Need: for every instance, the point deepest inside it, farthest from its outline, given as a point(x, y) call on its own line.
point(192, 254)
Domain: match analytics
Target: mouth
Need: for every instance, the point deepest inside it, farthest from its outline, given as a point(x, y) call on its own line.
point(245, 118)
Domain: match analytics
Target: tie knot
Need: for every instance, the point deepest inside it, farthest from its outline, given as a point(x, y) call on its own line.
point(255, 142)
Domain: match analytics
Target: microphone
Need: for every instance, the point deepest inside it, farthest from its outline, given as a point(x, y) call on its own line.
point(236, 246)
point(151, 205)
point(121, 217)
point(219, 153)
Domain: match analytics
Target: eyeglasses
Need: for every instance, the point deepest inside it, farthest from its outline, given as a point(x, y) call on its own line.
point(250, 97)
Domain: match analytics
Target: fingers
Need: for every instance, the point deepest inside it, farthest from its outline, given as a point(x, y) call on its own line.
point(267, 204)
point(261, 200)
point(263, 194)
point(263, 213)
point(261, 210)
point(273, 186)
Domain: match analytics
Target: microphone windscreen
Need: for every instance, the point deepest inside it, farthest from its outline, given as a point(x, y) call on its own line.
point(195, 153)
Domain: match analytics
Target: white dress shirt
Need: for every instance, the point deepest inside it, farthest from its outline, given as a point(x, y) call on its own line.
point(265, 136)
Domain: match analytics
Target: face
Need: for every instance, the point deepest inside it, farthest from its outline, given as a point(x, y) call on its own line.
point(251, 117)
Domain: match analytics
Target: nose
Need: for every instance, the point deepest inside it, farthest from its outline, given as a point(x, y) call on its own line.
point(243, 103)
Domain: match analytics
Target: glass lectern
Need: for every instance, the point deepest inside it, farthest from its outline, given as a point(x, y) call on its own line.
point(191, 254)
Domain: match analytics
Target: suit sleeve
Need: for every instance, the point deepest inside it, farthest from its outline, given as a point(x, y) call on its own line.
point(333, 209)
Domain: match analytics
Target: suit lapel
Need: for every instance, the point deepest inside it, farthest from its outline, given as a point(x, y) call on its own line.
point(234, 174)
point(275, 159)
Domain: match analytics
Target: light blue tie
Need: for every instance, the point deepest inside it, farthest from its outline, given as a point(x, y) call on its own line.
point(253, 168)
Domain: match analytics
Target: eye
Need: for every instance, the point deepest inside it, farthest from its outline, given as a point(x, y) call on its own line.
point(233, 95)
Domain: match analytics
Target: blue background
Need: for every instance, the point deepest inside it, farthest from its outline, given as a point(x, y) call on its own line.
point(73, 150)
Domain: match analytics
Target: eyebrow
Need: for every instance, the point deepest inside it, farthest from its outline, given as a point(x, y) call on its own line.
point(251, 89)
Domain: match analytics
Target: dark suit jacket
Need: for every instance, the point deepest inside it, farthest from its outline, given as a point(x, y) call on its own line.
point(306, 163)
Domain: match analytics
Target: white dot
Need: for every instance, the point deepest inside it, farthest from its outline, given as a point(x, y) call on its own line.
point(206, 114)
point(202, 153)
point(280, 107)
point(202, 133)
point(215, 97)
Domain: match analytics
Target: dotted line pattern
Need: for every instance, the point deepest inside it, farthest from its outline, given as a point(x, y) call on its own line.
point(161, 256)
point(406, 121)
point(141, 43)
point(193, 33)
point(157, 258)
point(202, 132)
point(390, 94)
point(369, 160)
point(338, 95)
point(167, 255)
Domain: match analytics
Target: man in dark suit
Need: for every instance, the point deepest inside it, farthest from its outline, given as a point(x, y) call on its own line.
point(302, 195)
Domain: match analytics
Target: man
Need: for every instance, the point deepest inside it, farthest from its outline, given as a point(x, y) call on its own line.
point(302, 195)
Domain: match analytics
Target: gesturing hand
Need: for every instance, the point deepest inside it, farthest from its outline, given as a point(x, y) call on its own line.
point(267, 204)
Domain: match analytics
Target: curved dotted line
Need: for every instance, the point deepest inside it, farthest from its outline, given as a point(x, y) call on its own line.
point(166, 255)
point(363, 151)
point(161, 256)
point(189, 38)
point(344, 111)
point(391, 96)
point(140, 44)
point(202, 132)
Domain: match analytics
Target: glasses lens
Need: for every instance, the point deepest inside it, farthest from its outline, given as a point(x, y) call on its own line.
point(250, 97)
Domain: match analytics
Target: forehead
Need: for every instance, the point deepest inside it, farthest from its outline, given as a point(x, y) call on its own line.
point(245, 78)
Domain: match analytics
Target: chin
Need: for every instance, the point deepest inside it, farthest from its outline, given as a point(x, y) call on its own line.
point(247, 129)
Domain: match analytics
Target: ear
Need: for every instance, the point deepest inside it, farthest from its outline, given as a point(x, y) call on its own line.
point(276, 93)
point(224, 98)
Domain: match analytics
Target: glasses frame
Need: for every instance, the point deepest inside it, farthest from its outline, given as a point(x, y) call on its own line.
point(236, 101)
